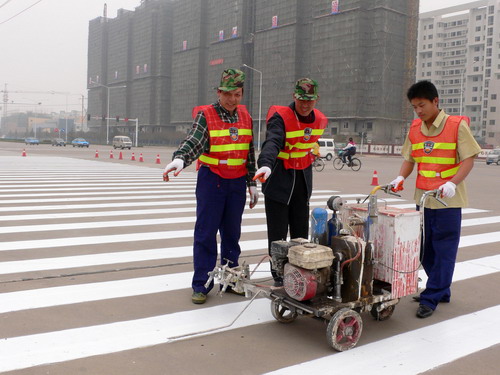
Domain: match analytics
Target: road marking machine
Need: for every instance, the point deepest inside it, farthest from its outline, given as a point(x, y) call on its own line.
point(364, 258)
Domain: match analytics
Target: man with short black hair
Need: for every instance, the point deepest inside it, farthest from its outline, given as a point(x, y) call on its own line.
point(444, 149)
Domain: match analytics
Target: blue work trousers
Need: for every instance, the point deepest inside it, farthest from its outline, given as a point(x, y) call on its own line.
point(440, 247)
point(219, 206)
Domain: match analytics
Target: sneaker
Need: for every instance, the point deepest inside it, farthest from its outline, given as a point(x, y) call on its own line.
point(198, 298)
point(424, 311)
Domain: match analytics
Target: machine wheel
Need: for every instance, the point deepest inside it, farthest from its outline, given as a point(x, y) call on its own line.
point(338, 164)
point(355, 164)
point(344, 329)
point(281, 313)
point(383, 314)
point(319, 164)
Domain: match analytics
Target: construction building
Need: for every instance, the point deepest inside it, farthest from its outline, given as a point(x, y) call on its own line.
point(459, 51)
point(159, 61)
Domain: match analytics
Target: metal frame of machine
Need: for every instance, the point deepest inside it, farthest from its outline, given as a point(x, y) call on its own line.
point(339, 274)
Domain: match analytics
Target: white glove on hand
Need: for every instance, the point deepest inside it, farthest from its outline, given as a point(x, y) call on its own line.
point(397, 184)
point(447, 190)
point(254, 196)
point(176, 165)
point(262, 174)
point(397, 180)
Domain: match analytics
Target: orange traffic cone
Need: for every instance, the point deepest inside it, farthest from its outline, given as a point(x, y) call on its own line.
point(24, 152)
point(141, 159)
point(120, 157)
point(158, 159)
point(96, 153)
point(375, 179)
point(133, 157)
point(111, 155)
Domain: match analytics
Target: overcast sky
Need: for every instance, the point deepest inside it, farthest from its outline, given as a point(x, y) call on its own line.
point(43, 47)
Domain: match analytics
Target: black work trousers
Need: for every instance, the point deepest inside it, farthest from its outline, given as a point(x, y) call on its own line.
point(294, 216)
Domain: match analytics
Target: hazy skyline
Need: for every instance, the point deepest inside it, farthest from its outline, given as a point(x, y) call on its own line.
point(44, 48)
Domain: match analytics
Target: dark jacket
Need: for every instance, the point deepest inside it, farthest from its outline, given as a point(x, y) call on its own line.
point(279, 186)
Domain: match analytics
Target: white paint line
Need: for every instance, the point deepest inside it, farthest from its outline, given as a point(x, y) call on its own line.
point(412, 352)
point(36, 200)
point(53, 347)
point(65, 295)
point(464, 210)
point(91, 190)
point(129, 182)
point(91, 194)
point(44, 264)
point(94, 240)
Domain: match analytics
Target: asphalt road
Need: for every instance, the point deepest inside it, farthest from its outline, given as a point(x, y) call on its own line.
point(95, 268)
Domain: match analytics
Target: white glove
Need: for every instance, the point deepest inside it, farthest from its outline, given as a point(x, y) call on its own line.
point(397, 180)
point(447, 190)
point(262, 174)
point(176, 165)
point(254, 196)
point(397, 184)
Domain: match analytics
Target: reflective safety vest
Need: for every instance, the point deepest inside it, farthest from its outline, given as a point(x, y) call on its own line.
point(229, 143)
point(437, 155)
point(300, 137)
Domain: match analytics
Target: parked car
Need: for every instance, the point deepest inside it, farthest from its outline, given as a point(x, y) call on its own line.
point(493, 157)
point(79, 142)
point(121, 141)
point(32, 141)
point(327, 148)
point(58, 142)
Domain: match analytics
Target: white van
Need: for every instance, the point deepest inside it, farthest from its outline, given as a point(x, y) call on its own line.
point(327, 148)
point(121, 141)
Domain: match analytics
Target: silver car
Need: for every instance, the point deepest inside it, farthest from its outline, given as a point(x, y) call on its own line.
point(493, 157)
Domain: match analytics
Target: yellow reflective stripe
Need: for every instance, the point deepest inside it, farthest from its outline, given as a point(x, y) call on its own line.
point(230, 147)
point(213, 161)
point(444, 174)
point(236, 161)
point(283, 155)
point(225, 132)
point(437, 146)
point(295, 134)
point(299, 145)
point(208, 160)
point(300, 133)
point(293, 155)
point(317, 131)
point(450, 172)
point(434, 160)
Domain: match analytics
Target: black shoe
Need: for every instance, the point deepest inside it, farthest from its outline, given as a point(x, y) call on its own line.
point(424, 311)
point(443, 300)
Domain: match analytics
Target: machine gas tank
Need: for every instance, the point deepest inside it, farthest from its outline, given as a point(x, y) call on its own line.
point(310, 256)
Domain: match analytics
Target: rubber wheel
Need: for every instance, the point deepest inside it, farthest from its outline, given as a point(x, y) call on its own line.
point(344, 330)
point(329, 157)
point(282, 314)
point(356, 164)
point(383, 314)
point(338, 164)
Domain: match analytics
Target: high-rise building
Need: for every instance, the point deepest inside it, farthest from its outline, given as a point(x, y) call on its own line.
point(459, 51)
point(159, 61)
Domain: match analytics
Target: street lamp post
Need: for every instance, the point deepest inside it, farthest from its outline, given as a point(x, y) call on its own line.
point(260, 102)
point(108, 88)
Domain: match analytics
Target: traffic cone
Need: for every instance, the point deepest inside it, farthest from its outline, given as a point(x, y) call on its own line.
point(375, 179)
point(133, 157)
point(141, 159)
point(24, 152)
point(120, 157)
point(96, 153)
point(158, 159)
point(111, 155)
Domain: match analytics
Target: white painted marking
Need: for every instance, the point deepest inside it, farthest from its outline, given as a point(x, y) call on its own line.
point(93, 240)
point(44, 264)
point(65, 295)
point(403, 354)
